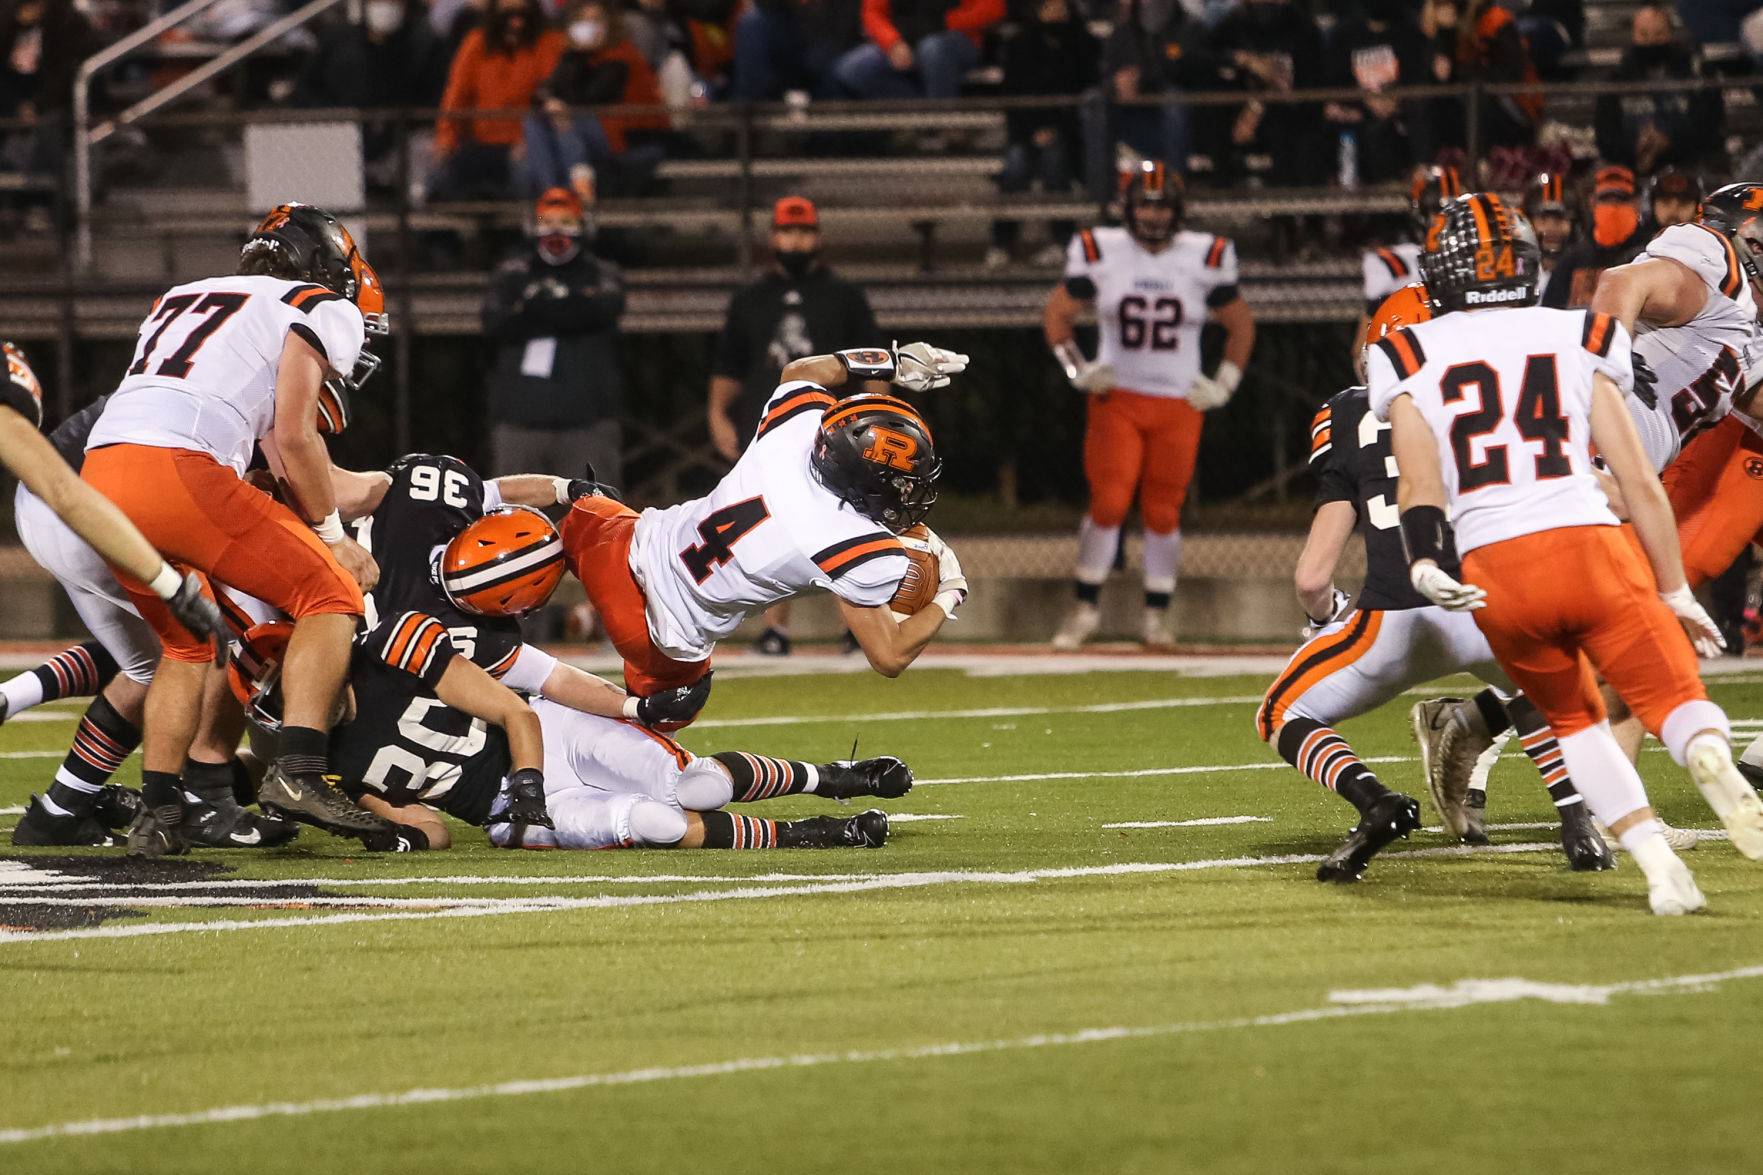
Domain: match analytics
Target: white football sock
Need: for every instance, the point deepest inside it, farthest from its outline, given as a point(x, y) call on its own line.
point(1602, 773)
point(1095, 551)
point(1162, 560)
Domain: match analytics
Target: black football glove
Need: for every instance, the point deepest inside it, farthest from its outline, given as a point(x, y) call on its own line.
point(1645, 384)
point(522, 801)
point(674, 708)
point(395, 838)
point(590, 486)
point(200, 615)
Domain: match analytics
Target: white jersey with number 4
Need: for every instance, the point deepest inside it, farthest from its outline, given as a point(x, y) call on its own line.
point(1702, 364)
point(768, 531)
point(1150, 307)
point(204, 370)
point(1508, 395)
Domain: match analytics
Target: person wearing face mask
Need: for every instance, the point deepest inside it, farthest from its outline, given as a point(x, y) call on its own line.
point(1618, 234)
point(42, 43)
point(564, 141)
point(500, 66)
point(1157, 48)
point(1645, 130)
point(553, 313)
point(1377, 48)
point(1274, 46)
point(391, 59)
point(799, 308)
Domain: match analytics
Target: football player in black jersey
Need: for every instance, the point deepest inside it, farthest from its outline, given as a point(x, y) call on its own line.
point(1358, 657)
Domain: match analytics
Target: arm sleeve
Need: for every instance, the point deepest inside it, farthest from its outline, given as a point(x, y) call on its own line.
point(413, 643)
point(531, 669)
point(798, 398)
point(503, 306)
point(1379, 284)
point(1332, 482)
point(460, 92)
point(974, 16)
point(21, 391)
point(492, 496)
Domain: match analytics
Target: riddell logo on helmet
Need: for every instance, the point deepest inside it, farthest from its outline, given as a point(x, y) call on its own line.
point(1487, 297)
point(887, 447)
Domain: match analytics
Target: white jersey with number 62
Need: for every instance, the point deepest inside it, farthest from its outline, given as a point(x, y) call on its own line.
point(768, 531)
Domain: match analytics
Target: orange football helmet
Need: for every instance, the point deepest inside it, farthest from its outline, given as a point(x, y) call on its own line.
point(255, 671)
point(1405, 307)
point(506, 563)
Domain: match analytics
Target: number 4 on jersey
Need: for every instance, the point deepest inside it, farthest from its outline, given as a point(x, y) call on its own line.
point(720, 532)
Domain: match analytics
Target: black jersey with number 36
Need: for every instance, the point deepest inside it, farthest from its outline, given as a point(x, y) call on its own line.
point(1350, 454)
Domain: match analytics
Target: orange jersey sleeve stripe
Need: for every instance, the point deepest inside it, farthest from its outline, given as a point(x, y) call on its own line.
point(836, 560)
point(794, 406)
point(1732, 283)
point(1215, 255)
point(1599, 331)
point(1393, 261)
point(1092, 253)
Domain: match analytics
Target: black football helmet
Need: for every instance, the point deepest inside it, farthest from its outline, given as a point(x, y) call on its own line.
point(876, 453)
point(1736, 213)
point(1547, 194)
point(1150, 184)
point(1480, 252)
point(305, 244)
point(1431, 190)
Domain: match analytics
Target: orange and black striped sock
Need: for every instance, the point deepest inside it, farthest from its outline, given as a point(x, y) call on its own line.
point(1539, 742)
point(78, 672)
point(757, 777)
point(104, 739)
point(1322, 754)
point(726, 830)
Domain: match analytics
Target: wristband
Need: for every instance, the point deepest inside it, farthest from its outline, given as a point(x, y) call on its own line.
point(527, 775)
point(1427, 534)
point(561, 489)
point(632, 709)
point(1070, 357)
point(1229, 376)
point(165, 585)
point(330, 529)
point(867, 363)
point(948, 601)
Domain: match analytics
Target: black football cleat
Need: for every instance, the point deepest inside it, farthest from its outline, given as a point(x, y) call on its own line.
point(116, 806)
point(311, 799)
point(216, 821)
point(1394, 816)
point(886, 777)
point(158, 832)
point(1587, 852)
point(866, 830)
point(39, 827)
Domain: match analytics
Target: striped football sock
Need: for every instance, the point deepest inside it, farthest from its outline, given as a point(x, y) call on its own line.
point(1323, 755)
point(1540, 744)
point(78, 672)
point(726, 830)
point(757, 777)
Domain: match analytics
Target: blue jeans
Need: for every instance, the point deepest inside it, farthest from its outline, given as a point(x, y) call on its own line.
point(1159, 132)
point(1023, 164)
point(940, 61)
point(771, 56)
point(550, 153)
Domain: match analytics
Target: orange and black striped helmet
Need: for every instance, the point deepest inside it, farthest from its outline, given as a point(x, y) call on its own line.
point(1480, 252)
point(1736, 213)
point(1547, 192)
point(1430, 191)
point(302, 243)
point(1407, 306)
point(254, 671)
point(1151, 184)
point(876, 453)
point(505, 563)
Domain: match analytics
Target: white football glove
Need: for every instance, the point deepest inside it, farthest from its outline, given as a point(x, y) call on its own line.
point(1432, 581)
point(1697, 625)
point(951, 584)
point(1094, 376)
point(920, 367)
point(1215, 391)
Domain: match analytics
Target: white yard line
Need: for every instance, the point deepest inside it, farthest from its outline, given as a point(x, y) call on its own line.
point(1145, 772)
point(1208, 820)
point(987, 712)
point(1342, 1005)
point(885, 881)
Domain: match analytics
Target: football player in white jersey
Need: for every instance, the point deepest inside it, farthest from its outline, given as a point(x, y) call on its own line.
point(1493, 407)
point(1388, 268)
point(1153, 284)
point(222, 365)
point(817, 500)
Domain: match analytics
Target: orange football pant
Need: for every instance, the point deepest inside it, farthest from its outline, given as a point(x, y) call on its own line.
point(1594, 603)
point(203, 516)
point(1716, 491)
point(1141, 443)
point(597, 550)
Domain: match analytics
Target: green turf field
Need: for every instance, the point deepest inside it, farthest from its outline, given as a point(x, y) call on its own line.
point(1016, 986)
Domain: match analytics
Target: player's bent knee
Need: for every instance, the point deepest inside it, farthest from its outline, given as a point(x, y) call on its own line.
point(704, 786)
point(1162, 512)
point(657, 825)
point(1108, 506)
point(1691, 718)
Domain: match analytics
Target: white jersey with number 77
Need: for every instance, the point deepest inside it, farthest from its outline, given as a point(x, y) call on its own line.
point(768, 531)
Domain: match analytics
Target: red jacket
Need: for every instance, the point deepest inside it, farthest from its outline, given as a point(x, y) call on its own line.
point(972, 17)
point(481, 80)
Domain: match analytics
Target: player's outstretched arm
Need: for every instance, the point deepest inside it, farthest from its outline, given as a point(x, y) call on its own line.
point(468, 689)
point(580, 690)
point(1659, 292)
point(1330, 529)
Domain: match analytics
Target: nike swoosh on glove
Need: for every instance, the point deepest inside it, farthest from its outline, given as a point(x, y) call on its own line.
point(1697, 624)
point(1433, 582)
point(920, 367)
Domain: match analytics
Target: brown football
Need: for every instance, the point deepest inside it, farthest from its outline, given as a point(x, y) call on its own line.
point(919, 585)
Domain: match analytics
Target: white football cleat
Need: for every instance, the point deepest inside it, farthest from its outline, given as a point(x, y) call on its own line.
point(1732, 799)
point(1680, 840)
point(1155, 634)
point(1671, 890)
point(1079, 627)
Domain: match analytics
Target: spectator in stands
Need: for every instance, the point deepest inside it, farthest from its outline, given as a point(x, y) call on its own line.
point(1551, 28)
point(1274, 47)
point(799, 308)
point(1643, 130)
point(1618, 234)
point(1054, 53)
point(499, 66)
point(1674, 197)
point(1549, 205)
point(391, 59)
point(1491, 49)
point(42, 43)
point(687, 43)
point(553, 314)
point(1378, 47)
point(783, 45)
point(566, 145)
point(917, 48)
point(1156, 48)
